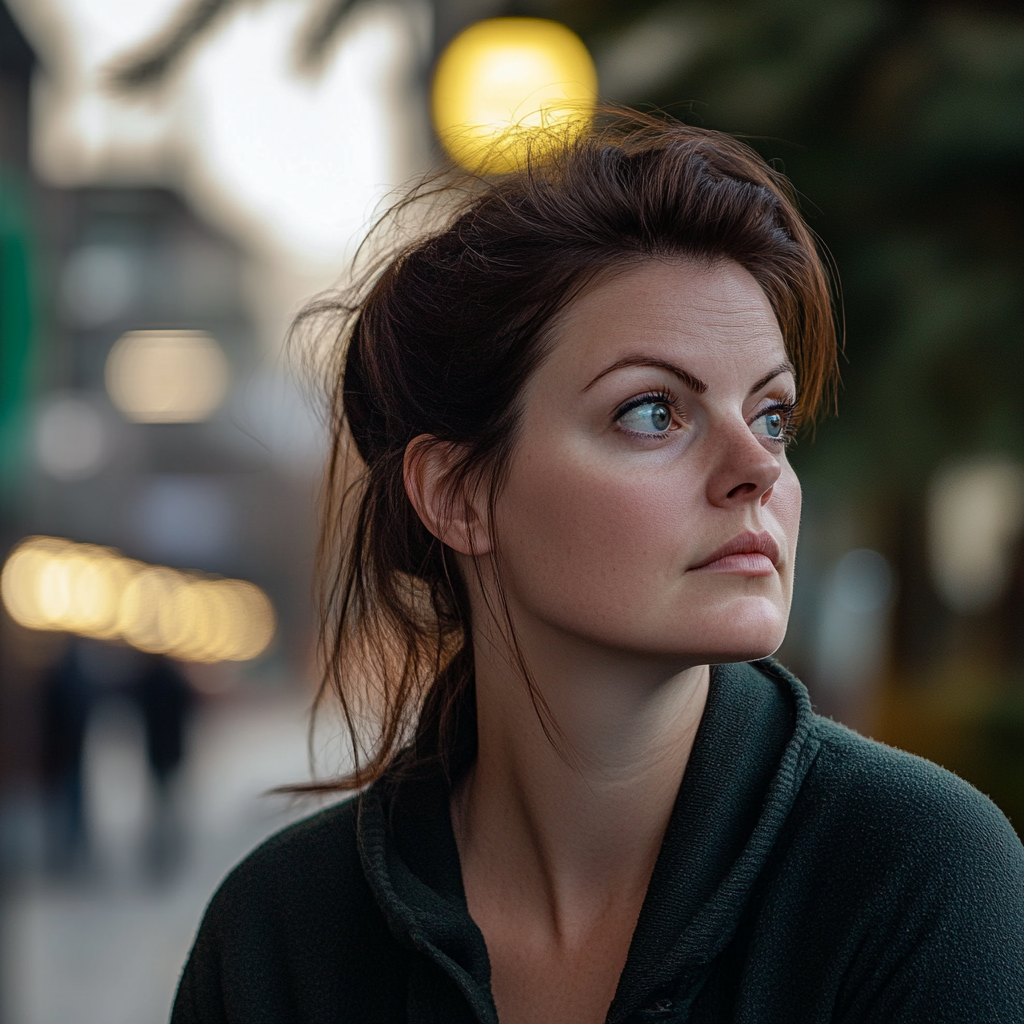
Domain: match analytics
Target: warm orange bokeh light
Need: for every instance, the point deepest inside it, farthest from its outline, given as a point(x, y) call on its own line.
point(50, 583)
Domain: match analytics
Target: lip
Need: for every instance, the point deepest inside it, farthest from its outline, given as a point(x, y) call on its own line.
point(748, 553)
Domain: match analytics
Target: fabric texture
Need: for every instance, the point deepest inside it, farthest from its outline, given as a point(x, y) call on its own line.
point(807, 875)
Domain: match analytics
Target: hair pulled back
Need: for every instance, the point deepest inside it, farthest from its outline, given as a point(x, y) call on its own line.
point(441, 341)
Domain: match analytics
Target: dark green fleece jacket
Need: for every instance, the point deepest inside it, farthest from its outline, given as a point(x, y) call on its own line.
point(807, 875)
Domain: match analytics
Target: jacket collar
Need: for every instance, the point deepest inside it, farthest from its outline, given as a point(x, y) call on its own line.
point(749, 758)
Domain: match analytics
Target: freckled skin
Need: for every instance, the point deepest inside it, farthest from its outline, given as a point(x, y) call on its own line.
point(598, 529)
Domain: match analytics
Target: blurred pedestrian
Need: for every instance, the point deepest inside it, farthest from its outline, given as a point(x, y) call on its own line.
point(67, 700)
point(165, 700)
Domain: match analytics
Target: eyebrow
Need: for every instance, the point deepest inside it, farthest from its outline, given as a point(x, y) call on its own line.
point(783, 367)
point(695, 384)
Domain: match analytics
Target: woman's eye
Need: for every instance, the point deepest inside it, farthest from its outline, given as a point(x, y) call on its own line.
point(771, 424)
point(647, 418)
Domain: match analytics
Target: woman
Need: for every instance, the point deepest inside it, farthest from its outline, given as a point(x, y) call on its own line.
point(563, 568)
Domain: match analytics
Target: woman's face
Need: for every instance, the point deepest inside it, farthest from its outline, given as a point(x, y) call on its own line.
point(650, 506)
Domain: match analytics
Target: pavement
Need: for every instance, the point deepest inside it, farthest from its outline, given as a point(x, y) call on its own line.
point(107, 947)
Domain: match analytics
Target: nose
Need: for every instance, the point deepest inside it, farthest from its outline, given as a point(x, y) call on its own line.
point(743, 470)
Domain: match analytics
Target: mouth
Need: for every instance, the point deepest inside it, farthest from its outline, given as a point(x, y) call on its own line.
point(747, 554)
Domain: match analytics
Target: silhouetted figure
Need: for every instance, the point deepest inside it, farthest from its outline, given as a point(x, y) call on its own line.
point(66, 703)
point(165, 700)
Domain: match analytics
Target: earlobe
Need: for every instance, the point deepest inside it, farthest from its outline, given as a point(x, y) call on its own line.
point(454, 518)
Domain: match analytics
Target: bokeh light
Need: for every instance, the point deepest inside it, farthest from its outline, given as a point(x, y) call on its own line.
point(71, 440)
point(975, 515)
point(167, 376)
point(508, 85)
point(55, 584)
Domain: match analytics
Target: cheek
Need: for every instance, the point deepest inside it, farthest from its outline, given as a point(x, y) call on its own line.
point(785, 505)
point(786, 502)
point(587, 539)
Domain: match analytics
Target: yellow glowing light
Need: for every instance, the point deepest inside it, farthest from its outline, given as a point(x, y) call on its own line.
point(507, 86)
point(50, 583)
point(166, 376)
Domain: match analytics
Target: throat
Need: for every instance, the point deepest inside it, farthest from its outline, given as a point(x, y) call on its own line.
point(571, 978)
point(557, 853)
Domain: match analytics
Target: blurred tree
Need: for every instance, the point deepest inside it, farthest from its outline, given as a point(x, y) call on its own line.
point(903, 127)
point(16, 298)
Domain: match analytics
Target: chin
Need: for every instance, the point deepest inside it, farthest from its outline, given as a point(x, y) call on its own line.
point(754, 630)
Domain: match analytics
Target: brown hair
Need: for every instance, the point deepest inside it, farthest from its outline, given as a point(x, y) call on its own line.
point(441, 342)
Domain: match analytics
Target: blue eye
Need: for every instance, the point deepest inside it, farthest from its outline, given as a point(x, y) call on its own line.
point(772, 423)
point(647, 418)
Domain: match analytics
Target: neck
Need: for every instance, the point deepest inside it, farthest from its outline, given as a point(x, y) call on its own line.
point(572, 818)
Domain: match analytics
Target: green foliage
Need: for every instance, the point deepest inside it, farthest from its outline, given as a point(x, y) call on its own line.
point(902, 126)
point(16, 327)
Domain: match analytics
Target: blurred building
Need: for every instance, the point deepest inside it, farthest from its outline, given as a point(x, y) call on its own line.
point(223, 487)
point(195, 171)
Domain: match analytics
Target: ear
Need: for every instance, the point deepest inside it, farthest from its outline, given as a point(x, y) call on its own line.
point(456, 519)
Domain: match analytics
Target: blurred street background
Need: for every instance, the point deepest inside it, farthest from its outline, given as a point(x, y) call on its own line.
point(178, 176)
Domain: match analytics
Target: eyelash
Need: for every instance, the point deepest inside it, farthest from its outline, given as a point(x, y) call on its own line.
point(787, 409)
point(660, 397)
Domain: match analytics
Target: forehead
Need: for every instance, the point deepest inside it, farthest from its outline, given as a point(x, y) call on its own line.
point(714, 318)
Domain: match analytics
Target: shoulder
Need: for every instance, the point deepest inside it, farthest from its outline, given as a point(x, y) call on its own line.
point(909, 878)
point(885, 807)
point(273, 937)
point(296, 901)
point(902, 836)
point(326, 835)
point(296, 873)
point(893, 794)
